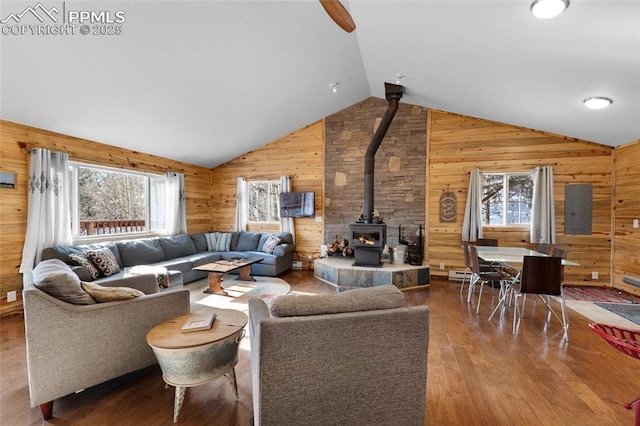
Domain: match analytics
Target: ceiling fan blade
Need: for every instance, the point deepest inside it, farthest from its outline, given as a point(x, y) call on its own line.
point(339, 14)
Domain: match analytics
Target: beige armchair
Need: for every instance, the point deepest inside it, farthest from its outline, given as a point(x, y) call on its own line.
point(72, 347)
point(354, 358)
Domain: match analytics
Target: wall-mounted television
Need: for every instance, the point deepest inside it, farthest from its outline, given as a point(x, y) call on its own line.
point(297, 204)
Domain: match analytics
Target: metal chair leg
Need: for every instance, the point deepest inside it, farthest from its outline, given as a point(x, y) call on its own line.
point(501, 303)
point(464, 278)
point(472, 285)
point(565, 320)
point(524, 300)
point(479, 297)
point(504, 295)
point(516, 317)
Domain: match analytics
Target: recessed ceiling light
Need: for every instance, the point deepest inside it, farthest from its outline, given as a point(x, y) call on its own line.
point(545, 9)
point(597, 102)
point(334, 87)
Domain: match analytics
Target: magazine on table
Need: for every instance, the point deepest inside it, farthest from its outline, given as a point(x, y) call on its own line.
point(199, 323)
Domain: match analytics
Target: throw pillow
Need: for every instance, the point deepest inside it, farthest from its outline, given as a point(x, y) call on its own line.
point(104, 260)
point(110, 294)
point(211, 241)
point(56, 278)
point(81, 260)
point(271, 244)
point(223, 241)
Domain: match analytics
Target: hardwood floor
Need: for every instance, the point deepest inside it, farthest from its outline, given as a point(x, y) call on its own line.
point(478, 374)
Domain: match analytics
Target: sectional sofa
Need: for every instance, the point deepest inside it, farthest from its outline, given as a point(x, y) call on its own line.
point(74, 342)
point(179, 254)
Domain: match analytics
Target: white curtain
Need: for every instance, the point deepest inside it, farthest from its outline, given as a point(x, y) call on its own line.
point(286, 223)
point(241, 205)
point(176, 209)
point(543, 218)
point(48, 218)
point(472, 224)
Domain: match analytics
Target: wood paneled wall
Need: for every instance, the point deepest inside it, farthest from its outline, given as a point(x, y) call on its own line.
point(455, 144)
point(626, 207)
point(13, 208)
point(458, 143)
point(300, 156)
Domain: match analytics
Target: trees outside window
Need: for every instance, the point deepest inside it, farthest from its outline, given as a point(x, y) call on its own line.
point(263, 201)
point(110, 201)
point(506, 198)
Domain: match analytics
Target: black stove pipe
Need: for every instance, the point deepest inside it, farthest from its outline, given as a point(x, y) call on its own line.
point(393, 93)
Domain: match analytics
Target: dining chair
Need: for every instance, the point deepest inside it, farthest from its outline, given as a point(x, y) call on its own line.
point(558, 252)
point(541, 276)
point(467, 265)
point(562, 254)
point(486, 242)
point(480, 276)
point(544, 248)
point(491, 266)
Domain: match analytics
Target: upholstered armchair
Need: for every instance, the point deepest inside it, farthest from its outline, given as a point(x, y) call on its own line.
point(356, 358)
point(71, 347)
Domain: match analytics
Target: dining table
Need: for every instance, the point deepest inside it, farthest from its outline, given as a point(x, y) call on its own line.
point(513, 257)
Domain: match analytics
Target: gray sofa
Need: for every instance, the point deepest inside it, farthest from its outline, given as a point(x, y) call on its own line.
point(180, 254)
point(353, 358)
point(71, 346)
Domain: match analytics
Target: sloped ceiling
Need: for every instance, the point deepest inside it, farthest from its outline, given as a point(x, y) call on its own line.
point(206, 81)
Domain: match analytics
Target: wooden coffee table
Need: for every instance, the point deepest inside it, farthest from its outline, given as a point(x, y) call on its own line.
point(197, 357)
point(218, 268)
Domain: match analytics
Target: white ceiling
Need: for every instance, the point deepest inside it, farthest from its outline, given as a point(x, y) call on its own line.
point(206, 81)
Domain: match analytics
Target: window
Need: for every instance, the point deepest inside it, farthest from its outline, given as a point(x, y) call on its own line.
point(110, 201)
point(263, 201)
point(506, 198)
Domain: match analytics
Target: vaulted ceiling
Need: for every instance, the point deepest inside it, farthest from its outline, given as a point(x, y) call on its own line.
point(205, 81)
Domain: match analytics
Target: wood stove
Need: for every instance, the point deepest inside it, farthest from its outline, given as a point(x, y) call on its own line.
point(369, 234)
point(367, 241)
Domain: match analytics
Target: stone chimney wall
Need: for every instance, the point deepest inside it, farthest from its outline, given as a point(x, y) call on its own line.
point(400, 168)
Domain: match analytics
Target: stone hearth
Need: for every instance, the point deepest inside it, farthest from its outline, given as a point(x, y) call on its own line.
point(339, 271)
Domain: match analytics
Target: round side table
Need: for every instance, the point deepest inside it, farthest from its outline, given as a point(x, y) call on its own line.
point(193, 358)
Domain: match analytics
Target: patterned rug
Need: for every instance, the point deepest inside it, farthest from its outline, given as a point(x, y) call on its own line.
point(628, 311)
point(239, 292)
point(599, 294)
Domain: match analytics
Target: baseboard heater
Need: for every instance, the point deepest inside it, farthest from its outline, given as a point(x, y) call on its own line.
point(456, 275)
point(631, 280)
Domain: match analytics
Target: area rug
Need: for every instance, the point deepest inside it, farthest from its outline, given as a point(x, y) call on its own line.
point(599, 294)
point(239, 292)
point(628, 311)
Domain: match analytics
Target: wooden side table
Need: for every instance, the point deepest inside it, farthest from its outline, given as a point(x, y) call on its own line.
point(197, 357)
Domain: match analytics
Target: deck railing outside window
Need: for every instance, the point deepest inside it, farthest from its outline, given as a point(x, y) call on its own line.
point(108, 227)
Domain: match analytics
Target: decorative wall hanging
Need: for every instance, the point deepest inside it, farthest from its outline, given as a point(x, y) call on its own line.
point(448, 207)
